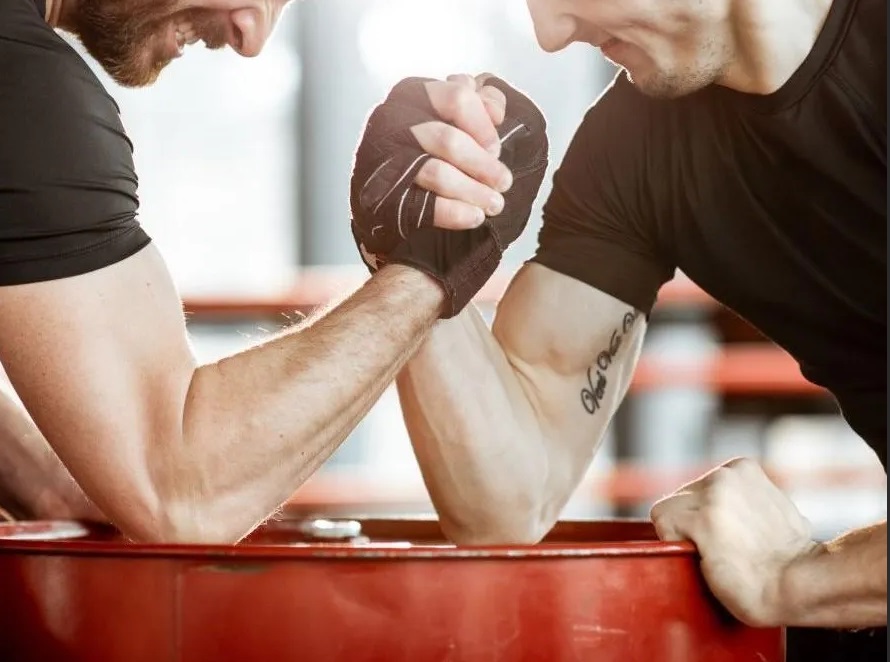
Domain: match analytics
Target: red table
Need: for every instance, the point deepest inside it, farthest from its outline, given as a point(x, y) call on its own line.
point(388, 590)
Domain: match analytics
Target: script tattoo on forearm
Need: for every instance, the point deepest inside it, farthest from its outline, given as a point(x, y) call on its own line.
point(592, 395)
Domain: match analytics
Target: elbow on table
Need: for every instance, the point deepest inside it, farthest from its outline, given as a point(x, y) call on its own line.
point(507, 528)
point(170, 506)
point(172, 522)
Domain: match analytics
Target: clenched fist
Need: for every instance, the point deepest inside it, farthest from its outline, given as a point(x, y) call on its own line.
point(748, 533)
point(444, 179)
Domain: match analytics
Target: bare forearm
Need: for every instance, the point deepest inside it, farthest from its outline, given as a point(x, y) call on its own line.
point(257, 424)
point(841, 584)
point(475, 433)
point(33, 482)
point(505, 422)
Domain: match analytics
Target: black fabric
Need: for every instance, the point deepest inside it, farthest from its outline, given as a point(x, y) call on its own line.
point(775, 205)
point(392, 217)
point(68, 185)
point(386, 204)
point(817, 645)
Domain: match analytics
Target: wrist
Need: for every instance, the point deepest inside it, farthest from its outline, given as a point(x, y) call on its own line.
point(422, 289)
point(795, 592)
point(459, 262)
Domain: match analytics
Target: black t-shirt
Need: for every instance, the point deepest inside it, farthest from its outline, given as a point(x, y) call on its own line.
point(68, 185)
point(775, 205)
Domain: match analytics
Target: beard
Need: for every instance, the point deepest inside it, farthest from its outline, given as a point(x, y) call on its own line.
point(706, 68)
point(126, 36)
point(674, 85)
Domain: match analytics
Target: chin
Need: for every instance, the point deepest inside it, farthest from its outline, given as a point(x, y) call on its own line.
point(663, 85)
point(135, 74)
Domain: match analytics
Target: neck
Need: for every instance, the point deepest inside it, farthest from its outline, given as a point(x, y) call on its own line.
point(772, 39)
point(59, 12)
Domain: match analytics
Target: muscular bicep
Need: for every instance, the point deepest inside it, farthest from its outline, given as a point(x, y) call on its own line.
point(103, 365)
point(574, 349)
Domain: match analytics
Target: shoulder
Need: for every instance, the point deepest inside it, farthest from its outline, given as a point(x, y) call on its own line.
point(68, 185)
point(620, 114)
point(599, 221)
point(861, 59)
point(624, 144)
point(869, 21)
point(623, 115)
point(628, 130)
point(52, 103)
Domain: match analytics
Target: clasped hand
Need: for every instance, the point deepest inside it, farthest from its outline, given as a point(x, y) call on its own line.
point(465, 154)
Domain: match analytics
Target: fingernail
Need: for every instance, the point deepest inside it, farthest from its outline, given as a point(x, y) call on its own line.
point(494, 148)
point(495, 205)
point(479, 216)
point(505, 182)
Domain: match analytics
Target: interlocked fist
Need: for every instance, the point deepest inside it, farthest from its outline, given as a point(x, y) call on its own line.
point(394, 215)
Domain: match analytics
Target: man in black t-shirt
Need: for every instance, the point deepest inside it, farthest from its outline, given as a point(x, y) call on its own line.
point(743, 142)
point(92, 334)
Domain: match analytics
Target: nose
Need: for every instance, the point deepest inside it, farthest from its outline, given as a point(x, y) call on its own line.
point(553, 30)
point(251, 30)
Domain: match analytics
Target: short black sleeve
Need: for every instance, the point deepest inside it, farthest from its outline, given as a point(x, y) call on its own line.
point(596, 227)
point(68, 184)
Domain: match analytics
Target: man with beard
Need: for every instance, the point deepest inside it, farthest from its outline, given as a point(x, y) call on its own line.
point(743, 142)
point(92, 334)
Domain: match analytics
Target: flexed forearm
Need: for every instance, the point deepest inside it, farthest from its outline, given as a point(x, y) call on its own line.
point(505, 422)
point(475, 433)
point(257, 424)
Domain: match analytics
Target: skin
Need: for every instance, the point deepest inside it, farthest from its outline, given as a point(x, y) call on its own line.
point(134, 40)
point(34, 484)
point(674, 47)
point(113, 395)
point(495, 417)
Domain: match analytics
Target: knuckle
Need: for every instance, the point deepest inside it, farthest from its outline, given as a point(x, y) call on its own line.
point(721, 491)
point(743, 465)
point(660, 508)
point(720, 477)
point(447, 214)
point(437, 171)
point(720, 473)
point(661, 529)
point(494, 94)
point(496, 173)
point(735, 470)
point(665, 528)
point(437, 135)
point(451, 142)
point(462, 79)
point(463, 100)
point(426, 175)
point(656, 514)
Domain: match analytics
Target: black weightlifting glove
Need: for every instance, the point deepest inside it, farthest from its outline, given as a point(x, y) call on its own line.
point(392, 218)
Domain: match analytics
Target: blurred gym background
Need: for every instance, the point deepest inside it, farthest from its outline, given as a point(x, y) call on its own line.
point(244, 168)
